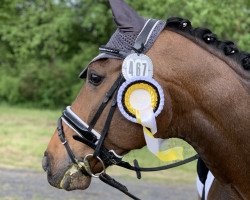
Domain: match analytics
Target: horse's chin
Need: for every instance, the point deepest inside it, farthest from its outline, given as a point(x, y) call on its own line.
point(72, 179)
point(77, 181)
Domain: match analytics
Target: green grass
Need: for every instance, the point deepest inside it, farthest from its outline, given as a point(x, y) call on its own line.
point(24, 135)
point(26, 132)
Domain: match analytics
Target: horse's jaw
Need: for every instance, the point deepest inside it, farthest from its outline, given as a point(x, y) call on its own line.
point(71, 179)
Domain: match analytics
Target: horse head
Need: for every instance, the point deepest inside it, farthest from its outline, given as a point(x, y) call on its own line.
point(206, 103)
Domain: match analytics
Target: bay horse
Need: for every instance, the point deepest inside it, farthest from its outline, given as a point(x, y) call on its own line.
point(206, 88)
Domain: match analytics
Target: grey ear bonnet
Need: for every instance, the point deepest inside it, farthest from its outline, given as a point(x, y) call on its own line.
point(124, 41)
point(129, 25)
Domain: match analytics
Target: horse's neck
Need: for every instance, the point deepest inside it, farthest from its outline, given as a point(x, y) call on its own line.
point(226, 156)
point(209, 107)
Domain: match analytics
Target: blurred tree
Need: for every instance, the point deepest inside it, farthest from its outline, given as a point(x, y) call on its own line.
point(45, 43)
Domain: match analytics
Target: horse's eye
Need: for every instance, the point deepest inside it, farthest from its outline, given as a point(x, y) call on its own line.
point(95, 79)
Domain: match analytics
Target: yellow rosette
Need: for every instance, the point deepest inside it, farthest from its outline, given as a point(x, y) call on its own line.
point(140, 100)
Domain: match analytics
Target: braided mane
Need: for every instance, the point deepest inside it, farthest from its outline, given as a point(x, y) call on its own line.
point(226, 50)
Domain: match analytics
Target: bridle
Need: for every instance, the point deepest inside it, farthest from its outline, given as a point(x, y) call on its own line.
point(87, 135)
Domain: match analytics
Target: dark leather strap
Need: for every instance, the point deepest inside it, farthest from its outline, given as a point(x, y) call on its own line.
point(138, 172)
point(64, 141)
point(112, 182)
point(151, 169)
point(113, 52)
point(84, 141)
point(107, 156)
point(105, 101)
point(106, 126)
point(203, 195)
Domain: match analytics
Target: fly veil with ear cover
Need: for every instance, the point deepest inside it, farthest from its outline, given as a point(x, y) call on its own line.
point(129, 25)
point(134, 35)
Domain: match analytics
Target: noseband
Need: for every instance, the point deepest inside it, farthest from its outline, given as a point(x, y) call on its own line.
point(87, 135)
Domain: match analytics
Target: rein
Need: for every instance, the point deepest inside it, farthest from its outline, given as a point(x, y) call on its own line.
point(87, 135)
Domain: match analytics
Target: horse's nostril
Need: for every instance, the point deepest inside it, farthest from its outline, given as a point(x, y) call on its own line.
point(45, 163)
point(45, 153)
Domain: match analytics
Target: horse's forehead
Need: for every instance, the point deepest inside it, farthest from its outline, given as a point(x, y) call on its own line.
point(106, 66)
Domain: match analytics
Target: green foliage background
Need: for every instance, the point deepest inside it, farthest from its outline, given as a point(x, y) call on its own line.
point(44, 44)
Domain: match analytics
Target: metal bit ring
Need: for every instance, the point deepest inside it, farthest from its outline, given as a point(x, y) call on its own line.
point(88, 168)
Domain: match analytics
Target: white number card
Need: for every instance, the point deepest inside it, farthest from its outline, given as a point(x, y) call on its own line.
point(137, 65)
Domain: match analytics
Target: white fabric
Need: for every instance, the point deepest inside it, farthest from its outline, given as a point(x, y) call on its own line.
point(208, 184)
point(153, 144)
point(148, 119)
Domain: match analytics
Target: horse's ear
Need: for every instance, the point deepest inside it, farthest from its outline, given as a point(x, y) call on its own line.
point(126, 19)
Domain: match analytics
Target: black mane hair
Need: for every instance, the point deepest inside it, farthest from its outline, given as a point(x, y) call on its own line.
point(227, 49)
